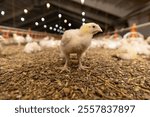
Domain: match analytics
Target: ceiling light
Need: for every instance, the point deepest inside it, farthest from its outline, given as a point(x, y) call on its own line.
point(65, 21)
point(22, 19)
point(83, 23)
point(82, 1)
point(69, 24)
point(58, 30)
point(61, 31)
point(60, 27)
point(36, 23)
point(48, 5)
point(59, 15)
point(83, 19)
point(45, 26)
point(54, 29)
point(25, 11)
point(64, 29)
point(42, 19)
point(50, 28)
point(83, 13)
point(2, 12)
point(56, 25)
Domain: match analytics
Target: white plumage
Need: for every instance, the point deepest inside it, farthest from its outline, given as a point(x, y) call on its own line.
point(18, 39)
point(32, 47)
point(28, 38)
point(148, 40)
point(126, 51)
point(49, 43)
point(1, 48)
point(132, 47)
point(97, 43)
point(1, 41)
point(77, 41)
point(112, 44)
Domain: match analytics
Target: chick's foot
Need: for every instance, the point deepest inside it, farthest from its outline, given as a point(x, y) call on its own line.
point(65, 68)
point(81, 67)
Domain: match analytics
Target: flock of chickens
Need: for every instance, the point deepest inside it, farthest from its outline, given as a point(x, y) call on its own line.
point(129, 46)
point(31, 45)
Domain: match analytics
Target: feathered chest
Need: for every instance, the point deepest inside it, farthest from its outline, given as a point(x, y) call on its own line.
point(81, 40)
point(79, 44)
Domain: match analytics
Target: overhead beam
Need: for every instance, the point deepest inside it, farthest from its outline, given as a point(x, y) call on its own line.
point(50, 20)
point(76, 8)
point(18, 12)
point(35, 18)
point(77, 17)
point(9, 16)
point(105, 6)
point(141, 10)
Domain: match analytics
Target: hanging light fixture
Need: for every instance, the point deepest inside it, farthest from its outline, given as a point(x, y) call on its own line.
point(65, 21)
point(45, 26)
point(83, 19)
point(42, 19)
point(60, 27)
point(69, 24)
point(82, 1)
point(48, 5)
point(50, 28)
point(54, 29)
point(59, 15)
point(2, 13)
point(56, 25)
point(36, 23)
point(25, 11)
point(22, 19)
point(83, 13)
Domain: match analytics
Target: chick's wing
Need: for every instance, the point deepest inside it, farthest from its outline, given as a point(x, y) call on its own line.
point(69, 36)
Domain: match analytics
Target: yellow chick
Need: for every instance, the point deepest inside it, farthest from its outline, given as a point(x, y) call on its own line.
point(76, 41)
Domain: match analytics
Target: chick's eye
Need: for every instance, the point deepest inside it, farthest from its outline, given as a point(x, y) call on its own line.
point(93, 26)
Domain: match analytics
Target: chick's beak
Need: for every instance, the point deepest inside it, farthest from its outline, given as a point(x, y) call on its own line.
point(99, 29)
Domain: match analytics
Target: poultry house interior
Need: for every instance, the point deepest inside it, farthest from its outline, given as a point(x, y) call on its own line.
point(74, 50)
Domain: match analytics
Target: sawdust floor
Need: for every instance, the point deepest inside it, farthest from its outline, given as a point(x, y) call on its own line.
point(36, 76)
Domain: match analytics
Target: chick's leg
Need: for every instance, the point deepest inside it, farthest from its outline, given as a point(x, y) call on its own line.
point(65, 68)
point(19, 44)
point(81, 67)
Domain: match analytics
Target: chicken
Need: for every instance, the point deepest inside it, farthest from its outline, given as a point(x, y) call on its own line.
point(49, 43)
point(28, 38)
point(77, 41)
point(127, 52)
point(18, 39)
point(1, 41)
point(99, 43)
point(112, 44)
point(32, 47)
point(1, 48)
point(148, 40)
point(4, 41)
point(46, 38)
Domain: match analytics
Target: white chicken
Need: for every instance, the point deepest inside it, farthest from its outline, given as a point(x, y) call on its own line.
point(32, 47)
point(148, 40)
point(18, 39)
point(49, 43)
point(1, 48)
point(46, 38)
point(76, 41)
point(126, 51)
point(112, 44)
point(97, 43)
point(28, 38)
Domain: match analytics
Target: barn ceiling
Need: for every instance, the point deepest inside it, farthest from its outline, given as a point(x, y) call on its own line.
point(107, 13)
